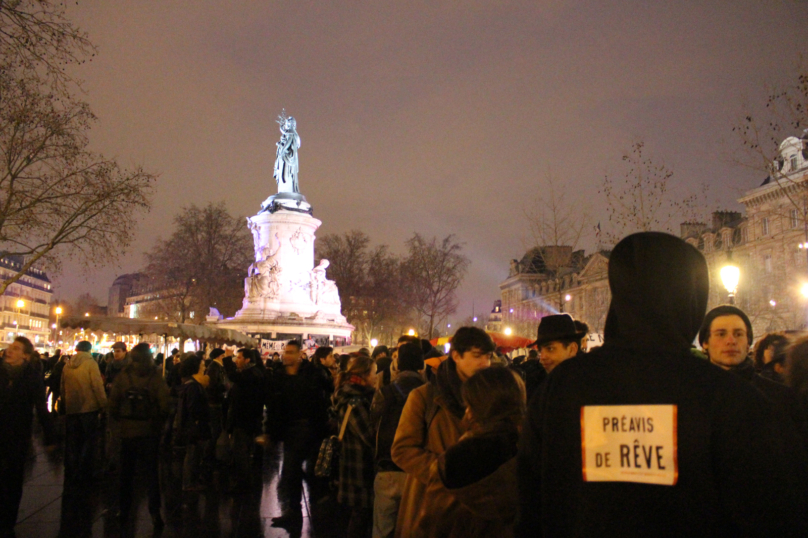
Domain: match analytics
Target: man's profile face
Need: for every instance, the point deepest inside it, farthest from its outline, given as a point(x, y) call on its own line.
point(118, 354)
point(15, 354)
point(241, 361)
point(552, 354)
point(470, 362)
point(728, 342)
point(328, 362)
point(291, 356)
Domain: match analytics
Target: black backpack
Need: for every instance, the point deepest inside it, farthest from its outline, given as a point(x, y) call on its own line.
point(138, 402)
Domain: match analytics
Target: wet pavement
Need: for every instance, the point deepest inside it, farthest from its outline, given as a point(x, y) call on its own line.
point(210, 513)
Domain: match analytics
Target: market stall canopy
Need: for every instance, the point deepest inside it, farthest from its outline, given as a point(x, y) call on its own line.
point(506, 342)
point(203, 333)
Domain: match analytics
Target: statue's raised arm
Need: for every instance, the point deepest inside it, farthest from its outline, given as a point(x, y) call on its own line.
point(286, 163)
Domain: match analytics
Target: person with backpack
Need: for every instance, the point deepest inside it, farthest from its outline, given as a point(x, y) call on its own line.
point(140, 400)
point(385, 412)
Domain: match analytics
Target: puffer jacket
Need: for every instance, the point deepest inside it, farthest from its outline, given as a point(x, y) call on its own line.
point(82, 386)
point(427, 509)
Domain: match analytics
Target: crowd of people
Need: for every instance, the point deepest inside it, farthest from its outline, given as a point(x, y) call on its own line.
point(646, 435)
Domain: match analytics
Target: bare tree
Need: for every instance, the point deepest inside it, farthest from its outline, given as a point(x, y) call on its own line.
point(432, 273)
point(368, 281)
point(35, 35)
point(642, 199)
point(57, 198)
point(556, 229)
point(201, 265)
point(85, 304)
point(766, 135)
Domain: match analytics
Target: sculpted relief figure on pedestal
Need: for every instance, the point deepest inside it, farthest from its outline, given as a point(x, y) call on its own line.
point(286, 163)
point(323, 291)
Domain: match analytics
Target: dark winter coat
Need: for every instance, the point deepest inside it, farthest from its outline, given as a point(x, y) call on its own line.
point(193, 413)
point(303, 396)
point(20, 395)
point(385, 412)
point(216, 388)
point(140, 376)
point(741, 470)
point(783, 398)
point(246, 397)
point(356, 465)
point(534, 374)
point(113, 369)
point(480, 471)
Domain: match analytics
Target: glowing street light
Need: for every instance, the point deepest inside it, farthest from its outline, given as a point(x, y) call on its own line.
point(508, 331)
point(86, 314)
point(374, 342)
point(730, 275)
point(58, 310)
point(20, 303)
point(773, 302)
point(804, 290)
point(567, 297)
point(411, 332)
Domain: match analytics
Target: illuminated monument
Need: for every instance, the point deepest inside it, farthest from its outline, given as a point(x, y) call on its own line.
point(285, 295)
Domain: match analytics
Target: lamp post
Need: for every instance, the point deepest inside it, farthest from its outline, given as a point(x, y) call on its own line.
point(730, 275)
point(56, 326)
point(20, 305)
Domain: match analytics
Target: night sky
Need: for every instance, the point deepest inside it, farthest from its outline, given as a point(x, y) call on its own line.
point(436, 117)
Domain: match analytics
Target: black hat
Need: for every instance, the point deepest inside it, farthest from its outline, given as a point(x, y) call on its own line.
point(558, 327)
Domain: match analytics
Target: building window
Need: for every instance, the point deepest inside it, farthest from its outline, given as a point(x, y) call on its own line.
point(767, 262)
point(795, 218)
point(764, 226)
point(793, 162)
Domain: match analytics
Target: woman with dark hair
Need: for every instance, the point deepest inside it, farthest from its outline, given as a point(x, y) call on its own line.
point(139, 400)
point(355, 388)
point(770, 355)
point(192, 421)
point(480, 470)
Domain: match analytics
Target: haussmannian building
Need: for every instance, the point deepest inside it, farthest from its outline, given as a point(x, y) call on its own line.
point(767, 241)
point(26, 303)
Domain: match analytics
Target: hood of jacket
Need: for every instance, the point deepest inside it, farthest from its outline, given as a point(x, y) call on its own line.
point(659, 286)
point(79, 358)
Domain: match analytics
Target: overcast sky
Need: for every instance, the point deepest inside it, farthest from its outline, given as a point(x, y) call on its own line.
point(435, 117)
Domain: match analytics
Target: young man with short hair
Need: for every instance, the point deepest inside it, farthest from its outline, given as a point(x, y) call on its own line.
point(298, 418)
point(21, 391)
point(726, 336)
point(430, 423)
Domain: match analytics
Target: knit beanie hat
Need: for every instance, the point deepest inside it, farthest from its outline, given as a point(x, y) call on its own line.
point(719, 311)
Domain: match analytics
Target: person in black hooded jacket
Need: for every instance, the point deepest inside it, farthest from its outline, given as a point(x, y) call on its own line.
point(682, 456)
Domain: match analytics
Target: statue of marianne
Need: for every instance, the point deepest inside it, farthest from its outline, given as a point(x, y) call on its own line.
point(286, 165)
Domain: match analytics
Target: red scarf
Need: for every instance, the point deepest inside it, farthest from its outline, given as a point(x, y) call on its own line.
point(356, 380)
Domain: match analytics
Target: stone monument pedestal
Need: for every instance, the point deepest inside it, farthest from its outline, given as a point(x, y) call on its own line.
point(285, 295)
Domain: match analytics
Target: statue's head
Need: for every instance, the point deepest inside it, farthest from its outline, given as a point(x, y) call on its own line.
point(291, 124)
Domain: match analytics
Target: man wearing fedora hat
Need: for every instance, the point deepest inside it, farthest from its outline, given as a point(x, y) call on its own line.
point(557, 340)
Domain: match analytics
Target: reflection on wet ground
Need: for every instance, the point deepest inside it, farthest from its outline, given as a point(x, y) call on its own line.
point(214, 512)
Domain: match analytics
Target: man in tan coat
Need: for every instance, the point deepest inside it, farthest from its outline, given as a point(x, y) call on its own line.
point(430, 423)
point(83, 398)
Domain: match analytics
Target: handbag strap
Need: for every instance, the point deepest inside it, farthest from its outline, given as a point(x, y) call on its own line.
point(345, 423)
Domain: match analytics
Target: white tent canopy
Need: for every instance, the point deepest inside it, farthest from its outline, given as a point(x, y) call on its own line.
point(144, 327)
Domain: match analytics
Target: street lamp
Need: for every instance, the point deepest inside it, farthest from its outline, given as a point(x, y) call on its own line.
point(55, 325)
point(508, 331)
point(730, 275)
point(374, 342)
point(411, 332)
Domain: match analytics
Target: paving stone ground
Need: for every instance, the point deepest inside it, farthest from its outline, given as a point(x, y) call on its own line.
point(212, 513)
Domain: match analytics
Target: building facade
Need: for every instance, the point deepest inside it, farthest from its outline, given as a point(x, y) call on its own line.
point(768, 242)
point(26, 304)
